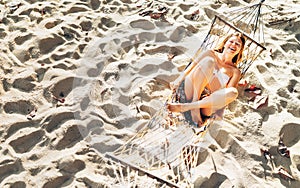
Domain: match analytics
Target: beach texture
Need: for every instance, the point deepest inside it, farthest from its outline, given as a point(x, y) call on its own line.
point(81, 77)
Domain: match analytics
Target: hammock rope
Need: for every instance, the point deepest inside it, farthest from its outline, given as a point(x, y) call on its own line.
point(168, 148)
point(245, 20)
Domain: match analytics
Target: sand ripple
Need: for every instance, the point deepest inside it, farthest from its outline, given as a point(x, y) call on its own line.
point(79, 78)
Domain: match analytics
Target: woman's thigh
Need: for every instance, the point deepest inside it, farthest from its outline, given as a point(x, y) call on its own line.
point(199, 77)
point(188, 88)
point(220, 99)
point(207, 111)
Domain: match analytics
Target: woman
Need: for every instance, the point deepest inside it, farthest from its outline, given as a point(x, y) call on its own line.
point(210, 82)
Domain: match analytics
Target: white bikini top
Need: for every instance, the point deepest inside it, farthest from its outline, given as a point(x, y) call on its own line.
point(222, 77)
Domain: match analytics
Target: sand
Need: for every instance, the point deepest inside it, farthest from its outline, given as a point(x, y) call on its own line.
point(80, 78)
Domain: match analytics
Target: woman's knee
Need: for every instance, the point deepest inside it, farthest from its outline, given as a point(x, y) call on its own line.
point(205, 67)
point(232, 92)
point(208, 63)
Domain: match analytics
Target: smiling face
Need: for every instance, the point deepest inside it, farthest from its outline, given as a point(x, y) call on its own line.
point(233, 45)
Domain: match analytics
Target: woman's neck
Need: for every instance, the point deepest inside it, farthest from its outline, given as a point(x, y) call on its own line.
point(225, 58)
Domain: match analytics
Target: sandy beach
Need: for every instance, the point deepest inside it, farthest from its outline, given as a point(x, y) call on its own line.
point(79, 78)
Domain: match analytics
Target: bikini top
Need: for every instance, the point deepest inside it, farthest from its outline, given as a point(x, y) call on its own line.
point(222, 77)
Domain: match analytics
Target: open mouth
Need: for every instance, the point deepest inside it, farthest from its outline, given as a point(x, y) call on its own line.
point(232, 49)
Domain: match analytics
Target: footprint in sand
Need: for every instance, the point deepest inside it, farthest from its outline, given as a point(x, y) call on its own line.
point(23, 107)
point(293, 86)
point(296, 72)
point(291, 46)
point(282, 92)
point(107, 23)
point(52, 122)
point(178, 34)
point(268, 76)
point(293, 26)
point(71, 166)
point(48, 44)
point(71, 136)
point(86, 25)
point(146, 36)
point(19, 40)
point(294, 109)
point(25, 84)
point(291, 92)
point(57, 181)
point(52, 24)
point(161, 37)
point(76, 8)
point(142, 24)
point(17, 184)
point(290, 134)
point(95, 4)
point(27, 141)
point(62, 88)
point(15, 127)
point(9, 167)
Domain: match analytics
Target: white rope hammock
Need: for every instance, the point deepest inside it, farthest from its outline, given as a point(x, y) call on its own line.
point(168, 148)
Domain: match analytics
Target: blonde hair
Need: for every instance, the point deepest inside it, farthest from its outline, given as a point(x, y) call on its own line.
point(238, 57)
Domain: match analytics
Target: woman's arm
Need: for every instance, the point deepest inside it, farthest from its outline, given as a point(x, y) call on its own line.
point(236, 76)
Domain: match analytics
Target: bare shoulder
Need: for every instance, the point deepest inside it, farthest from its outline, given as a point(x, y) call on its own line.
point(235, 76)
point(236, 72)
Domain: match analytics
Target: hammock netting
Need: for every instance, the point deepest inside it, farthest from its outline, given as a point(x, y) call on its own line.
point(168, 148)
point(245, 20)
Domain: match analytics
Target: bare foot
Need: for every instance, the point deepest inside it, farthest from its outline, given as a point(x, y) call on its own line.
point(196, 117)
point(177, 107)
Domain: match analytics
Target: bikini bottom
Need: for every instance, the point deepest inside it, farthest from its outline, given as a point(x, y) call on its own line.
point(181, 98)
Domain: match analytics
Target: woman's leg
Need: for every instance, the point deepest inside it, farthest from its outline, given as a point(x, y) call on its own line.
point(198, 78)
point(195, 83)
point(218, 99)
point(209, 104)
